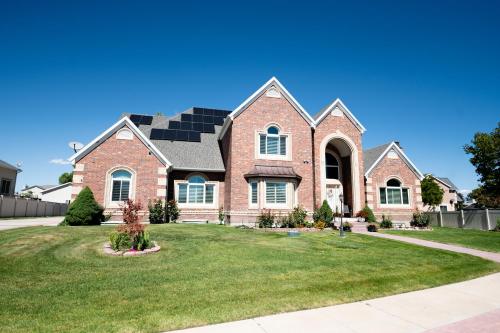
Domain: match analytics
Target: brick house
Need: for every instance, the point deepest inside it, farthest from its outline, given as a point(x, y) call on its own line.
point(268, 153)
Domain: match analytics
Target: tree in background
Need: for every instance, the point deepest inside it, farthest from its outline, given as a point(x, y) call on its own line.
point(432, 194)
point(66, 177)
point(485, 151)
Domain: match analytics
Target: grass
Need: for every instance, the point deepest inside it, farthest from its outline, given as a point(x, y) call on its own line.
point(56, 279)
point(476, 239)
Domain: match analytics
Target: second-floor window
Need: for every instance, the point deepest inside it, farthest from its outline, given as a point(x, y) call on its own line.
point(273, 142)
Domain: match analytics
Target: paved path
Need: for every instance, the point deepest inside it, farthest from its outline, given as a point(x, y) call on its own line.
point(455, 248)
point(474, 304)
point(30, 222)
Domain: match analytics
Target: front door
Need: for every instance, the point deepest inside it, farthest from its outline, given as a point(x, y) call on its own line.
point(333, 192)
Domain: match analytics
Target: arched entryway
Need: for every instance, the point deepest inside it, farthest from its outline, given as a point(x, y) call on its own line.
point(340, 173)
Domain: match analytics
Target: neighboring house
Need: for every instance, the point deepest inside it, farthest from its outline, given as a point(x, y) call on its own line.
point(8, 177)
point(35, 191)
point(268, 153)
point(392, 182)
point(451, 195)
point(60, 193)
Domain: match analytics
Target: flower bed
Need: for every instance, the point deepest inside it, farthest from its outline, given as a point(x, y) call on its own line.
point(109, 251)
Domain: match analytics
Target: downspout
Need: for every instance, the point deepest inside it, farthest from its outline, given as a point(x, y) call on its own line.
point(313, 168)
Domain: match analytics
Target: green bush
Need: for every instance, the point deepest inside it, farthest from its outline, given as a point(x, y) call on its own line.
point(372, 227)
point(172, 211)
point(142, 241)
point(367, 213)
point(120, 241)
point(347, 226)
point(156, 211)
point(386, 222)
point(298, 216)
point(320, 225)
point(266, 219)
point(84, 210)
point(420, 220)
point(323, 213)
point(498, 224)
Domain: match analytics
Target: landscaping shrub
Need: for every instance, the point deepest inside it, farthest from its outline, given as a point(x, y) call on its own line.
point(347, 226)
point(386, 222)
point(139, 239)
point(84, 210)
point(266, 219)
point(285, 221)
point(222, 215)
point(498, 224)
point(298, 217)
point(156, 211)
point(372, 227)
point(368, 214)
point(119, 241)
point(323, 213)
point(420, 220)
point(172, 211)
point(320, 225)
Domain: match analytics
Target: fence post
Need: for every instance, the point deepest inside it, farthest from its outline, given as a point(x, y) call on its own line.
point(462, 217)
point(488, 219)
point(440, 222)
point(15, 206)
point(1, 204)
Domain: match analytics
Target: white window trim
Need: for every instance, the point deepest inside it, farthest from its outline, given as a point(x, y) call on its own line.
point(288, 192)
point(401, 205)
point(292, 196)
point(124, 134)
point(273, 157)
point(215, 203)
point(108, 192)
point(339, 160)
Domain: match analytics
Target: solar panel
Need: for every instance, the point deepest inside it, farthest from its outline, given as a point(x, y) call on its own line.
point(197, 118)
point(198, 127)
point(169, 134)
point(182, 135)
point(174, 124)
point(138, 119)
point(218, 121)
point(198, 111)
point(156, 134)
point(208, 128)
point(147, 120)
point(186, 125)
point(194, 136)
point(208, 119)
point(186, 117)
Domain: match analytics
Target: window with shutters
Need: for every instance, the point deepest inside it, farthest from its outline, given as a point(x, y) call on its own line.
point(196, 191)
point(273, 144)
point(393, 193)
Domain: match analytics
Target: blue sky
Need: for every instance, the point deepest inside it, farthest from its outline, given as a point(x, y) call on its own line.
point(424, 73)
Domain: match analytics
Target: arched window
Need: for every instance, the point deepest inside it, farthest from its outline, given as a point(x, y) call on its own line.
point(332, 166)
point(120, 185)
point(394, 193)
point(195, 191)
point(272, 142)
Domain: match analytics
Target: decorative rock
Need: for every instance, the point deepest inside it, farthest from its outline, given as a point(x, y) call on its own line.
point(107, 249)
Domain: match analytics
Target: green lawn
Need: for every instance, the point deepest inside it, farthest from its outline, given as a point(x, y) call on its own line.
point(57, 279)
point(477, 239)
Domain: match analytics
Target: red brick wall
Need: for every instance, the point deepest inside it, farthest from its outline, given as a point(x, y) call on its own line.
point(386, 169)
point(128, 153)
point(328, 126)
point(241, 159)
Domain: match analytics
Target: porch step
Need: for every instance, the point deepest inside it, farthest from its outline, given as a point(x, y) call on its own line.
point(358, 226)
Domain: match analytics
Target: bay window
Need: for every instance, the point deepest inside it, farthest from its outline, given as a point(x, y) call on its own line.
point(276, 193)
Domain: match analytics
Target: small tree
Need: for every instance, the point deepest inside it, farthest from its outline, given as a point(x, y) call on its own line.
point(84, 210)
point(432, 194)
point(367, 214)
point(323, 213)
point(66, 177)
point(156, 211)
point(222, 215)
point(172, 211)
point(135, 230)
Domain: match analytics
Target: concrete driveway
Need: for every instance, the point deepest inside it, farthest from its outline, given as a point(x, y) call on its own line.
point(30, 222)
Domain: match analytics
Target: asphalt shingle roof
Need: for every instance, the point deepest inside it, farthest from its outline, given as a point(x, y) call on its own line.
point(371, 155)
point(448, 181)
point(9, 166)
point(205, 155)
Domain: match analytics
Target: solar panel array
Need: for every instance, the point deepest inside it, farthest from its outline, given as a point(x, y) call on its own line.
point(190, 127)
point(139, 119)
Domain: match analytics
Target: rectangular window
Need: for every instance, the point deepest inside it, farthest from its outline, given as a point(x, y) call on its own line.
point(182, 196)
point(120, 190)
point(254, 192)
point(5, 187)
point(283, 145)
point(272, 144)
point(263, 144)
point(195, 193)
point(443, 209)
point(394, 196)
point(209, 194)
point(405, 196)
point(275, 193)
point(383, 199)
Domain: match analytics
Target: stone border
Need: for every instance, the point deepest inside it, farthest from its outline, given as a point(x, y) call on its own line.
point(109, 251)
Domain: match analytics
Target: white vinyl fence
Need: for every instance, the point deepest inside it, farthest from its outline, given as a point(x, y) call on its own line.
point(481, 219)
point(24, 207)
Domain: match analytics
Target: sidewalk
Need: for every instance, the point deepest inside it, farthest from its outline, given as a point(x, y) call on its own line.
point(452, 308)
point(455, 248)
point(30, 222)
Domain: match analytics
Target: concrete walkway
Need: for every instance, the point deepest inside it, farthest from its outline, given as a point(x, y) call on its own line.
point(473, 304)
point(30, 222)
point(455, 248)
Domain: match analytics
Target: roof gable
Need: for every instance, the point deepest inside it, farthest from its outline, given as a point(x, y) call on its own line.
point(267, 87)
point(380, 152)
point(125, 121)
point(338, 104)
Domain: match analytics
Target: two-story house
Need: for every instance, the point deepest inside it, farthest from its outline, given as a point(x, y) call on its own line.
point(268, 153)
